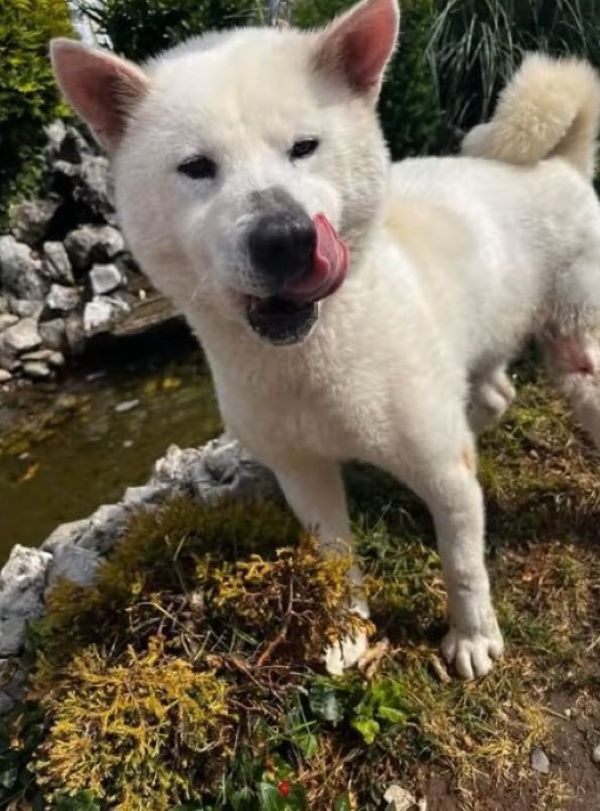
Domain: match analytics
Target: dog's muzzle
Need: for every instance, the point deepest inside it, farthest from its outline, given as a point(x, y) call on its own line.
point(303, 261)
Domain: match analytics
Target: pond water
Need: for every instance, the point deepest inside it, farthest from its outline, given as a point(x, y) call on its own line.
point(67, 448)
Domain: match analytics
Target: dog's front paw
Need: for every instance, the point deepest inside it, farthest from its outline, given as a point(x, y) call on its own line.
point(472, 653)
point(345, 653)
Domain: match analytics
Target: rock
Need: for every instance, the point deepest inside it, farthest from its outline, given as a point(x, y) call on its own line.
point(139, 496)
point(399, 799)
point(7, 320)
point(19, 270)
point(48, 356)
point(62, 299)
point(101, 314)
point(65, 534)
point(53, 333)
point(93, 243)
point(539, 761)
point(45, 356)
point(6, 703)
point(73, 563)
point(56, 266)
point(226, 470)
point(65, 143)
point(3, 305)
point(22, 582)
point(5, 376)
point(21, 337)
point(29, 221)
point(105, 279)
point(75, 334)
point(93, 188)
point(12, 634)
point(127, 405)
point(105, 527)
point(25, 309)
point(596, 754)
point(37, 369)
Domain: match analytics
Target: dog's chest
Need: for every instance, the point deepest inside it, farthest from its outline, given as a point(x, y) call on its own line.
point(327, 411)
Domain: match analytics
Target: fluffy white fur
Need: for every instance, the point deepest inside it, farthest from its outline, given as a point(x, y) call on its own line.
point(455, 261)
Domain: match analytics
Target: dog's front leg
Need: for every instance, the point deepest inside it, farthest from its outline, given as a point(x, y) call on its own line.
point(455, 500)
point(314, 489)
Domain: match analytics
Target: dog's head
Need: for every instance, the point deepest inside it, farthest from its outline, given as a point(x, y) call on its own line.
point(248, 165)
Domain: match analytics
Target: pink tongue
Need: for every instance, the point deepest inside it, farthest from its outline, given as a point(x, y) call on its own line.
point(330, 263)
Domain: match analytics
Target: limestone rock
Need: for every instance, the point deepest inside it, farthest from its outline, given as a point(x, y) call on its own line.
point(53, 333)
point(21, 337)
point(93, 243)
point(73, 563)
point(56, 265)
point(105, 279)
point(62, 299)
point(29, 220)
point(20, 270)
point(7, 320)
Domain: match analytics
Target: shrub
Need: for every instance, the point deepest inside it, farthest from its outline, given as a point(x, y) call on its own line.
point(140, 29)
point(475, 46)
point(28, 93)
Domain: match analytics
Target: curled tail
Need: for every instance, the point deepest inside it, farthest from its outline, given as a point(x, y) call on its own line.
point(551, 107)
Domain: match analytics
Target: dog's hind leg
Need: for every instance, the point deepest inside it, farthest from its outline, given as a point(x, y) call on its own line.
point(573, 360)
point(491, 395)
point(314, 489)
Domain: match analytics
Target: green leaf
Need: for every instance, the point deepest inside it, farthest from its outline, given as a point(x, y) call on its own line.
point(270, 798)
point(243, 799)
point(324, 702)
point(342, 803)
point(368, 727)
point(84, 801)
point(296, 799)
point(391, 714)
point(9, 776)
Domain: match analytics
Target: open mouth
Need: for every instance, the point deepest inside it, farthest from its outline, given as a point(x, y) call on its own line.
point(281, 321)
point(289, 317)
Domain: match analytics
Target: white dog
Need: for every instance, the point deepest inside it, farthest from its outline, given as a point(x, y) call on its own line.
point(351, 309)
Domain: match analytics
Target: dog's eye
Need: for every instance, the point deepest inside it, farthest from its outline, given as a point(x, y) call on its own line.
point(198, 168)
point(304, 148)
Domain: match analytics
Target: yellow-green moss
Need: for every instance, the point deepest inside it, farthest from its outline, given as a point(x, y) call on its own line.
point(138, 731)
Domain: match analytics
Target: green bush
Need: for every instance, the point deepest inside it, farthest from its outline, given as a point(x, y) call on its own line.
point(28, 94)
point(140, 29)
point(475, 46)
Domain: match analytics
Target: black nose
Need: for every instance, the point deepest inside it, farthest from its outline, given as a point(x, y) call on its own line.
point(282, 245)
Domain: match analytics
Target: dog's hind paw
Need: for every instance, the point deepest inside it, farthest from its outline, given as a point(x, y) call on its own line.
point(344, 654)
point(472, 653)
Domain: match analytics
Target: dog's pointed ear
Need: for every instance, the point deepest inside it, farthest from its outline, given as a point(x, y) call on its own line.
point(358, 45)
point(101, 87)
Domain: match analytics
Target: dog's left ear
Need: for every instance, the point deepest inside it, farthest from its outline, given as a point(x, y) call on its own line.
point(358, 45)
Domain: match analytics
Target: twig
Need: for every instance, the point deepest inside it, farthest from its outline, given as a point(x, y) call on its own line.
point(282, 635)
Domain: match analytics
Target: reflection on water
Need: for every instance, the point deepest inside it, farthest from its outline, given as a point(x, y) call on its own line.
point(67, 449)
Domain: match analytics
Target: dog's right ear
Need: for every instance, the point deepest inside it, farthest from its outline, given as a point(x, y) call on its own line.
point(358, 45)
point(101, 87)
